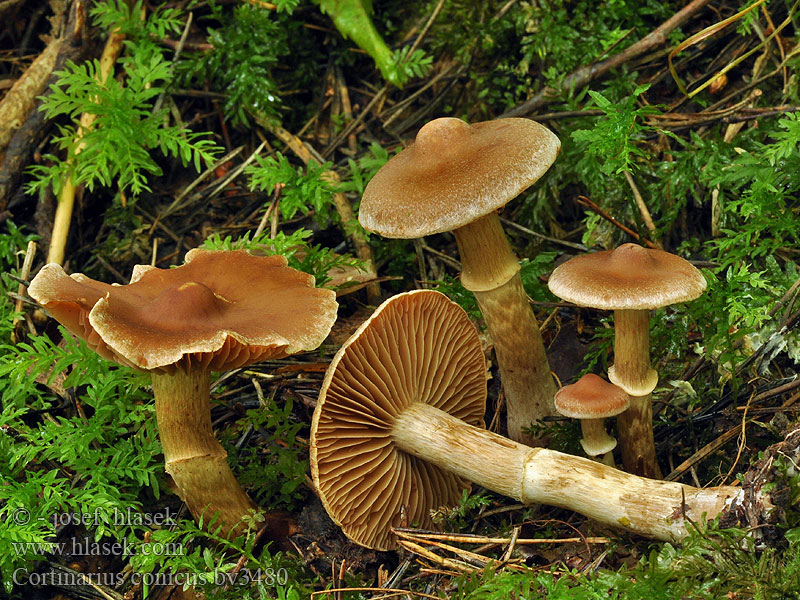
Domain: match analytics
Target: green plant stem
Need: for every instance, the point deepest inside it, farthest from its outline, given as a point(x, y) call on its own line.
point(66, 198)
point(352, 20)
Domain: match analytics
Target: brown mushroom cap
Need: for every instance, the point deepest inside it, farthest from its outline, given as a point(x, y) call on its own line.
point(455, 173)
point(416, 347)
point(591, 397)
point(628, 277)
point(220, 310)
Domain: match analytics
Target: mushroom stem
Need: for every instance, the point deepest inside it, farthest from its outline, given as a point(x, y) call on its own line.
point(193, 456)
point(596, 440)
point(487, 260)
point(655, 509)
point(491, 271)
point(632, 372)
point(631, 369)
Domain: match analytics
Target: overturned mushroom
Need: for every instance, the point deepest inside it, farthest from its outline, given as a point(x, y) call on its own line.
point(630, 280)
point(396, 434)
point(454, 178)
point(218, 311)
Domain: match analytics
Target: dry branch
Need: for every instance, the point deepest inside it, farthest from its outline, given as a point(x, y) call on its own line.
point(587, 73)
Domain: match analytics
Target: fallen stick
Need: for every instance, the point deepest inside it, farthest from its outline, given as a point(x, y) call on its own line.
point(583, 75)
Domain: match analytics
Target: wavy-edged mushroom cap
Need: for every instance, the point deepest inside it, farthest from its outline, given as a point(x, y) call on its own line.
point(416, 347)
point(220, 310)
point(591, 397)
point(628, 277)
point(455, 173)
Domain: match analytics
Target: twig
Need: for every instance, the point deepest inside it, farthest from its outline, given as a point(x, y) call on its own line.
point(449, 563)
point(425, 29)
point(347, 109)
point(20, 99)
point(30, 252)
point(273, 206)
point(585, 74)
point(385, 592)
point(423, 272)
point(355, 122)
point(705, 451)
point(343, 207)
point(470, 538)
point(395, 111)
point(742, 441)
point(553, 240)
point(643, 210)
point(176, 55)
point(584, 201)
point(176, 204)
point(234, 173)
point(776, 391)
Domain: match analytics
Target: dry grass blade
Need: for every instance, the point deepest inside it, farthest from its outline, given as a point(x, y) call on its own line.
point(422, 535)
point(457, 565)
point(713, 29)
point(384, 593)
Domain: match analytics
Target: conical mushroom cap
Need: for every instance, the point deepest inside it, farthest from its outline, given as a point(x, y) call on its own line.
point(455, 173)
point(220, 310)
point(628, 277)
point(591, 397)
point(416, 347)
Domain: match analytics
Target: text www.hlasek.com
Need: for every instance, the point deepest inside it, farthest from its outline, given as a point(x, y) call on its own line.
point(90, 547)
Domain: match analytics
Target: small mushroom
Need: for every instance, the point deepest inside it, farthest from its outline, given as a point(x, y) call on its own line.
point(630, 280)
point(454, 178)
point(592, 399)
point(218, 311)
point(397, 432)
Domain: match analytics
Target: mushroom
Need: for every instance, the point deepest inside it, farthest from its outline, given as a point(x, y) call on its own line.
point(592, 399)
point(454, 178)
point(630, 280)
point(397, 433)
point(218, 311)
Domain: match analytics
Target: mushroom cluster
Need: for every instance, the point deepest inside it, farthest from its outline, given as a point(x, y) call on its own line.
point(630, 280)
point(455, 177)
point(398, 427)
point(218, 311)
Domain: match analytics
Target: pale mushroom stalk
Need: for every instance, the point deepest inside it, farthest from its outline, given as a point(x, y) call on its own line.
point(655, 509)
point(595, 436)
point(491, 272)
point(632, 372)
point(192, 455)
